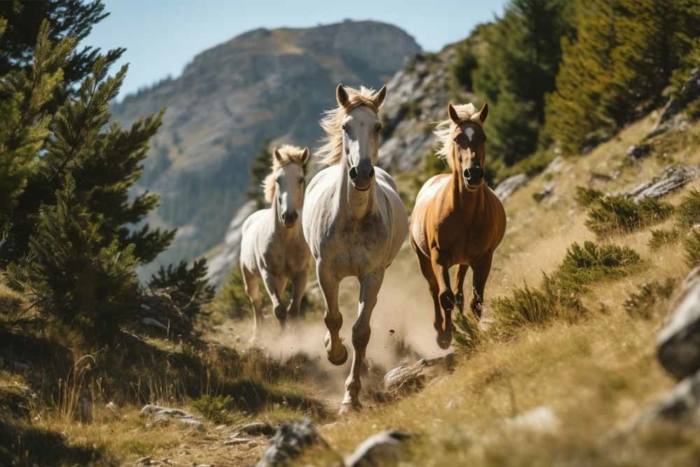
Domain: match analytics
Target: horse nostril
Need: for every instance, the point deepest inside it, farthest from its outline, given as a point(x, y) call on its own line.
point(293, 216)
point(353, 173)
point(370, 174)
point(467, 174)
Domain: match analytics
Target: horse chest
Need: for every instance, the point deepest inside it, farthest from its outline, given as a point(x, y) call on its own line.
point(358, 247)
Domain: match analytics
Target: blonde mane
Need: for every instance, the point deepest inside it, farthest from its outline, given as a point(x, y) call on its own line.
point(444, 130)
point(289, 155)
point(331, 152)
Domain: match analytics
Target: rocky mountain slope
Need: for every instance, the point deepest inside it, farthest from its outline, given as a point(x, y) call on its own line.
point(264, 84)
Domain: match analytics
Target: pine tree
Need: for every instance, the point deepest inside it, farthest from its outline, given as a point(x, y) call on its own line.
point(188, 287)
point(519, 69)
point(259, 169)
point(72, 273)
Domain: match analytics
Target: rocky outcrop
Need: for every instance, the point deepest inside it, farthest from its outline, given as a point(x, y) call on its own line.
point(678, 343)
point(510, 185)
point(229, 252)
point(671, 179)
point(229, 99)
point(689, 92)
point(383, 449)
point(291, 441)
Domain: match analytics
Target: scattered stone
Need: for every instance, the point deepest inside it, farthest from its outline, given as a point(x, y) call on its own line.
point(236, 441)
point(545, 193)
point(143, 461)
point(688, 93)
point(672, 178)
point(257, 429)
point(406, 379)
point(639, 152)
point(555, 166)
point(510, 185)
point(160, 414)
point(380, 450)
point(541, 419)
point(678, 343)
point(290, 441)
point(113, 410)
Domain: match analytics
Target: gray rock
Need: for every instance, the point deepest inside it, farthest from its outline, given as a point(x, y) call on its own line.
point(406, 379)
point(510, 185)
point(671, 179)
point(680, 405)
point(236, 441)
point(290, 441)
point(541, 419)
point(678, 343)
point(160, 414)
point(688, 93)
point(382, 449)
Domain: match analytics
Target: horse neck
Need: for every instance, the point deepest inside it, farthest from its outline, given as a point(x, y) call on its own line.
point(352, 204)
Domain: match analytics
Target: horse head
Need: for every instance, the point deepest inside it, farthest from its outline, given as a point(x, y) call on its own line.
point(469, 141)
point(286, 183)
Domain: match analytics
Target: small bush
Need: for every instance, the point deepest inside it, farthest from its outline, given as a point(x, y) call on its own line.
point(688, 212)
point(467, 334)
point(619, 214)
point(691, 245)
point(218, 409)
point(661, 237)
point(188, 287)
point(593, 263)
point(587, 196)
point(641, 304)
point(541, 305)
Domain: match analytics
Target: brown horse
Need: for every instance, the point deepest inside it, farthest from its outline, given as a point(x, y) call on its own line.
point(457, 219)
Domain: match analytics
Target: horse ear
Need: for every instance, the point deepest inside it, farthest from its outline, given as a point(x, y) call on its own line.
point(453, 114)
point(484, 112)
point(278, 156)
point(341, 95)
point(305, 156)
point(379, 98)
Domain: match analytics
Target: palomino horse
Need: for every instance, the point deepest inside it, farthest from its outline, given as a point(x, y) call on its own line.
point(273, 246)
point(457, 219)
point(354, 221)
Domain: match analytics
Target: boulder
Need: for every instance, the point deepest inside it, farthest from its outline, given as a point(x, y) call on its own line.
point(382, 449)
point(671, 178)
point(257, 429)
point(290, 442)
point(680, 405)
point(160, 414)
point(406, 379)
point(510, 185)
point(678, 343)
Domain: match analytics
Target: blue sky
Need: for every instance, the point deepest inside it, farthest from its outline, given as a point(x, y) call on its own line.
point(162, 36)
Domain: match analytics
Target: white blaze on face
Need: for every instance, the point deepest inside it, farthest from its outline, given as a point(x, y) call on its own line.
point(289, 194)
point(361, 136)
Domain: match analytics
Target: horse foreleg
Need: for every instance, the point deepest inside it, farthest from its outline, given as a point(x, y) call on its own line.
point(336, 351)
point(369, 289)
point(299, 286)
point(252, 289)
point(446, 298)
point(459, 286)
point(482, 268)
point(427, 269)
point(275, 288)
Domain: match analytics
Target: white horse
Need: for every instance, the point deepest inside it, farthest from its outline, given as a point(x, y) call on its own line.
point(354, 221)
point(273, 246)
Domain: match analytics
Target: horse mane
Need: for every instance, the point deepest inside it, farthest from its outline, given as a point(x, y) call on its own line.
point(331, 152)
point(444, 130)
point(289, 155)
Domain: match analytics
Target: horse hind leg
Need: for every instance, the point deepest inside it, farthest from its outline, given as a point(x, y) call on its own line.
point(459, 286)
point(369, 289)
point(482, 270)
point(252, 288)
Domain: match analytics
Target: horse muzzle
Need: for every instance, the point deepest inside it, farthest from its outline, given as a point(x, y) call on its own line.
point(290, 219)
point(473, 177)
point(361, 176)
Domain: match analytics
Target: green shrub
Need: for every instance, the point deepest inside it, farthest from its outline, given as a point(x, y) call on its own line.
point(587, 196)
point(593, 263)
point(661, 237)
point(552, 300)
point(619, 214)
point(691, 245)
point(688, 211)
point(218, 409)
point(232, 301)
point(641, 304)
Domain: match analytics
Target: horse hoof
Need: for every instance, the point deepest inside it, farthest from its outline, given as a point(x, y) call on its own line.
point(338, 360)
point(444, 340)
point(348, 408)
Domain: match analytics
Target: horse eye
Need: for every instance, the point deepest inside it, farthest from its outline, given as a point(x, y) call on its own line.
point(344, 129)
point(301, 180)
point(378, 127)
